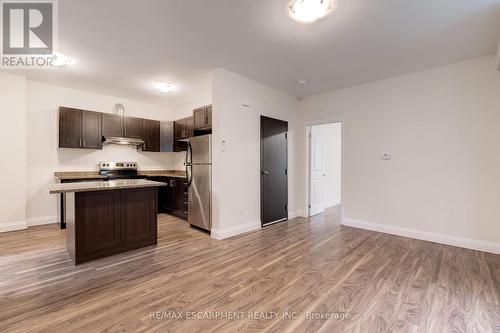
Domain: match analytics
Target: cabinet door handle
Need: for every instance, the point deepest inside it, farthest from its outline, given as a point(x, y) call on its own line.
point(80, 143)
point(84, 142)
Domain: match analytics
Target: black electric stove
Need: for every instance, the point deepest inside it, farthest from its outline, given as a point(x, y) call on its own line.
point(119, 170)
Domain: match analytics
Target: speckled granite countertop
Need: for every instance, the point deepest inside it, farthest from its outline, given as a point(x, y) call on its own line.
point(102, 186)
point(78, 175)
point(74, 175)
point(163, 173)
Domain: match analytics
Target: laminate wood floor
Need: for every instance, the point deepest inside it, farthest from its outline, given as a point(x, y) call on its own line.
point(304, 275)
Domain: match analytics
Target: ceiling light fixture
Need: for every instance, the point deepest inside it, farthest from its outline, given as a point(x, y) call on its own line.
point(165, 87)
point(310, 10)
point(59, 59)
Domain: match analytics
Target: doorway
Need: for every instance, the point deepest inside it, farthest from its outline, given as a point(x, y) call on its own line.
point(273, 170)
point(325, 167)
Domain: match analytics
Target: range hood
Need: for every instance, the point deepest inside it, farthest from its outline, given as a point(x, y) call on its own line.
point(119, 140)
point(119, 110)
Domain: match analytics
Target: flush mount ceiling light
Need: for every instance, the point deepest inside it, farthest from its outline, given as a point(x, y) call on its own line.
point(59, 59)
point(165, 87)
point(310, 10)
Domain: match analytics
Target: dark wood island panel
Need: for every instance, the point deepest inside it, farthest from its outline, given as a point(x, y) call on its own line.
point(104, 223)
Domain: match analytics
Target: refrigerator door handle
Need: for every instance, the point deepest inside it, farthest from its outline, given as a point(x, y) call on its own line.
point(189, 154)
point(189, 174)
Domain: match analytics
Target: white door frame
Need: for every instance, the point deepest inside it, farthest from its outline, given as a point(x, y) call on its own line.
point(308, 160)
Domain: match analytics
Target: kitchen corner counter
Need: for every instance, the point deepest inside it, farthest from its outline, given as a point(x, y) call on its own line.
point(102, 186)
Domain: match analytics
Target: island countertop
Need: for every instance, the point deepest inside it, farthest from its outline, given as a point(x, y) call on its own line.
point(102, 186)
point(90, 175)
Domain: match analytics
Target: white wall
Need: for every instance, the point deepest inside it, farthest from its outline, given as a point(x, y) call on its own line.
point(44, 158)
point(203, 97)
point(236, 172)
point(332, 149)
point(13, 137)
point(442, 128)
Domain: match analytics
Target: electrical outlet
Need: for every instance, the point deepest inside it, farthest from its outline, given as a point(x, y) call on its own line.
point(449, 219)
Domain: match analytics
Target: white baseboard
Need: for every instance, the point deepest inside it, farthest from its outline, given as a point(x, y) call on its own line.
point(332, 203)
point(42, 220)
point(297, 213)
point(234, 231)
point(13, 226)
point(468, 243)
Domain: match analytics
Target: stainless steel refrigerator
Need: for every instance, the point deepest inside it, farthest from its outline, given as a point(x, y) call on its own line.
point(199, 174)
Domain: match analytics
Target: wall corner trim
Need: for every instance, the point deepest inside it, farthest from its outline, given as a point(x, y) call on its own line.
point(498, 56)
point(467, 243)
point(13, 226)
point(234, 231)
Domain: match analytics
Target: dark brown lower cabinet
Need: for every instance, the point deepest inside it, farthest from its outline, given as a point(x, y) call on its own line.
point(104, 223)
point(138, 217)
point(173, 198)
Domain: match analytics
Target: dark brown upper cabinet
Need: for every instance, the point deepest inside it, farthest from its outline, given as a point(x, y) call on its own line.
point(189, 126)
point(151, 130)
point(183, 128)
point(112, 125)
point(133, 128)
point(91, 130)
point(203, 118)
point(70, 128)
point(79, 129)
point(179, 126)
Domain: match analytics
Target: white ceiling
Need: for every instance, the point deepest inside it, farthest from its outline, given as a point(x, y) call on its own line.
point(123, 45)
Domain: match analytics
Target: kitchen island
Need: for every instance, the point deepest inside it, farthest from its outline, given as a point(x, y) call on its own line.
point(107, 218)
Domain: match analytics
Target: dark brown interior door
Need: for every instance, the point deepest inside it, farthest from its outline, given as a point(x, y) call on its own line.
point(274, 170)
